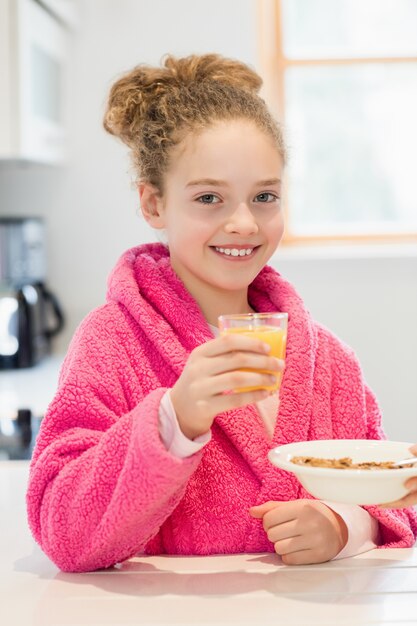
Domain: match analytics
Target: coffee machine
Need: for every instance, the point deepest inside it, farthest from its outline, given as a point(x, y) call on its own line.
point(30, 314)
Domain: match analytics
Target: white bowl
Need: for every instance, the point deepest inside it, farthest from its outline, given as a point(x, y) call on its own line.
point(351, 486)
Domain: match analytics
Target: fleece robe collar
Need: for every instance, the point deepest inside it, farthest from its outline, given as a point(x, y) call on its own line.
point(144, 283)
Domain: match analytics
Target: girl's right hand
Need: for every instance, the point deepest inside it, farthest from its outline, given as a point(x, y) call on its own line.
point(213, 369)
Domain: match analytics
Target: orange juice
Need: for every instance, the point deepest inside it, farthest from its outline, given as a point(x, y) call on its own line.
point(276, 338)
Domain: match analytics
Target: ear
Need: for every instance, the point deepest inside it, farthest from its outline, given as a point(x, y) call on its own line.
point(151, 205)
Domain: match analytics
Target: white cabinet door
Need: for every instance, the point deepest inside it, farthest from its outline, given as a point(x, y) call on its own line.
point(33, 52)
point(6, 132)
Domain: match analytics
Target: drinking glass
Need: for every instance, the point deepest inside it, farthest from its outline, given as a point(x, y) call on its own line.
point(271, 328)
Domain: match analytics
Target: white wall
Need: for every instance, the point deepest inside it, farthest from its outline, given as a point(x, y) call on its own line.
point(91, 207)
point(369, 300)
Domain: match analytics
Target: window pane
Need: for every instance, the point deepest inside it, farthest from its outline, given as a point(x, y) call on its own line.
point(349, 28)
point(352, 134)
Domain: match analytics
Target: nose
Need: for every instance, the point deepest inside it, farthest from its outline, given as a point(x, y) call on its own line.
point(241, 221)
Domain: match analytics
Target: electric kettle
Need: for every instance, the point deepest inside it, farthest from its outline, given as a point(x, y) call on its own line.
point(30, 316)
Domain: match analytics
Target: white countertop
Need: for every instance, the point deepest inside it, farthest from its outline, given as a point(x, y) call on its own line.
point(29, 388)
point(378, 587)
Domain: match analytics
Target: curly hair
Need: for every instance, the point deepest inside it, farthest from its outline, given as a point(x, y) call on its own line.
point(152, 109)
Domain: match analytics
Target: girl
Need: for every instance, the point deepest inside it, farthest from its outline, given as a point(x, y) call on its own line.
point(142, 448)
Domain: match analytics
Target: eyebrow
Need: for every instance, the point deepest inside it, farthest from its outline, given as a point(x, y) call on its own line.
point(269, 181)
point(222, 183)
point(207, 181)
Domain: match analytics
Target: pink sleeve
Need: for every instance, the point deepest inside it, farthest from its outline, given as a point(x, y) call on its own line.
point(171, 434)
point(363, 529)
point(101, 481)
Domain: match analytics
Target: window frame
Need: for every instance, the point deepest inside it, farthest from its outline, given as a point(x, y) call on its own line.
point(272, 66)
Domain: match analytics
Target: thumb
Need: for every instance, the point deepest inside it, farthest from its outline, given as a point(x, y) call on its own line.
point(259, 510)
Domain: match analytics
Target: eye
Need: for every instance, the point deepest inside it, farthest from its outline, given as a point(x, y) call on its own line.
point(208, 198)
point(266, 196)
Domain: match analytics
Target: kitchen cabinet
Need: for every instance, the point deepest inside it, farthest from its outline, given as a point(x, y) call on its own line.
point(34, 44)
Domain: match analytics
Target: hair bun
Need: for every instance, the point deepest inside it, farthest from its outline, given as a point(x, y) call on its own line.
point(129, 101)
point(212, 67)
point(133, 98)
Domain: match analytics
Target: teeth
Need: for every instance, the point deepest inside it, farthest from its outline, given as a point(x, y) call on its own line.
point(235, 251)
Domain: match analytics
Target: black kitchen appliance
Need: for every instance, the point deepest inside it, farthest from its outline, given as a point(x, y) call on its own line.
point(30, 314)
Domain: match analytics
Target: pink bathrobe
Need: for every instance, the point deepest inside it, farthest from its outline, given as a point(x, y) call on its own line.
point(103, 487)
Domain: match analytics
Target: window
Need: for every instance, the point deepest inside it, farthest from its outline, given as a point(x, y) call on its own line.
point(342, 77)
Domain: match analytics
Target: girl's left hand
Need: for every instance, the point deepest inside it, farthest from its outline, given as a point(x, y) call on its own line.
point(411, 498)
point(302, 531)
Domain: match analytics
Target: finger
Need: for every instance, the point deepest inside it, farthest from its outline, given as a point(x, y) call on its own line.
point(408, 500)
point(233, 342)
point(301, 557)
point(259, 510)
point(411, 484)
point(243, 360)
point(225, 388)
point(236, 380)
point(226, 402)
point(279, 515)
point(413, 449)
point(283, 532)
point(290, 545)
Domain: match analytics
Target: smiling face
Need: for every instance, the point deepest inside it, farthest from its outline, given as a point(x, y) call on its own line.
point(221, 210)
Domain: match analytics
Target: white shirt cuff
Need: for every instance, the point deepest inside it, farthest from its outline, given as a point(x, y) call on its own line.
point(171, 434)
point(363, 529)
